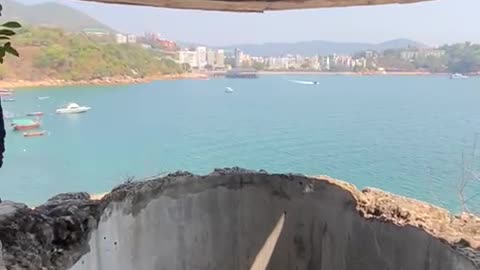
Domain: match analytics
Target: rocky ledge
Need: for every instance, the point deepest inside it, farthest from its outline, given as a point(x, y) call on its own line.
point(51, 236)
point(58, 234)
point(462, 232)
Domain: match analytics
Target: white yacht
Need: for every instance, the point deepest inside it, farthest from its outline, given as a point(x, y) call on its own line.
point(73, 108)
point(458, 76)
point(229, 90)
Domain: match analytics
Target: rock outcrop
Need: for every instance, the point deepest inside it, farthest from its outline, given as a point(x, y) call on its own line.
point(52, 236)
point(222, 220)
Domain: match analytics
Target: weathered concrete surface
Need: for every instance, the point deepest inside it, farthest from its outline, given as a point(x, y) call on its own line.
point(221, 221)
point(254, 5)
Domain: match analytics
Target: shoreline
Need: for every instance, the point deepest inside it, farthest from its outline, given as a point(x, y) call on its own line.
point(18, 84)
point(125, 80)
point(349, 73)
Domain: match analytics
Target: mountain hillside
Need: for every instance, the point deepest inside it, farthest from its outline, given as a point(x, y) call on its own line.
point(321, 47)
point(53, 54)
point(50, 15)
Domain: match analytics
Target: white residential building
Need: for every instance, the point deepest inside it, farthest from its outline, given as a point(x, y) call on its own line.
point(324, 63)
point(131, 38)
point(211, 58)
point(201, 57)
point(120, 38)
point(238, 57)
point(421, 53)
point(220, 58)
point(188, 57)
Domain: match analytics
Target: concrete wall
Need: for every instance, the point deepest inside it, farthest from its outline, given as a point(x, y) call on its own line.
point(220, 222)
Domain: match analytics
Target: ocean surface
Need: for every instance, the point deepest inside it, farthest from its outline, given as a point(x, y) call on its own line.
point(401, 134)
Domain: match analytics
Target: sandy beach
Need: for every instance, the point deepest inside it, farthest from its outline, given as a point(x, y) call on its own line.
point(104, 81)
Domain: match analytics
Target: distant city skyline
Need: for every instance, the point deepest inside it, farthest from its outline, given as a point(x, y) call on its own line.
point(433, 23)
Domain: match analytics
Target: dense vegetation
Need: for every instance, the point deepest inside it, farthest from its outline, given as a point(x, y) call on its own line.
point(458, 58)
point(55, 54)
point(463, 58)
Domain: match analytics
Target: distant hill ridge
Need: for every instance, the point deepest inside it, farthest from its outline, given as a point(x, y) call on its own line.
point(50, 14)
point(73, 20)
point(321, 47)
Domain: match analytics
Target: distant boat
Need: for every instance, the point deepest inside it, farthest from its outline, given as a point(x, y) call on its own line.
point(304, 82)
point(229, 90)
point(34, 134)
point(35, 114)
point(242, 73)
point(73, 108)
point(8, 99)
point(42, 98)
point(24, 124)
point(458, 76)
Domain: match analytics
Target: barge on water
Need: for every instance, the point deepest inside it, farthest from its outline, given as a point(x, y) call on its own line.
point(242, 73)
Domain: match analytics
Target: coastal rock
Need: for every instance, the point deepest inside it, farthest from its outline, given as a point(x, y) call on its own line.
point(8, 209)
point(67, 197)
point(52, 236)
point(222, 220)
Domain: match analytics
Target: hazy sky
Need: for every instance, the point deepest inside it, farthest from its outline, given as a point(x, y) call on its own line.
point(434, 23)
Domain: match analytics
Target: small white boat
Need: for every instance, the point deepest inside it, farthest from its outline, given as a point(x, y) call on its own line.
point(42, 98)
point(305, 82)
point(458, 76)
point(73, 108)
point(229, 90)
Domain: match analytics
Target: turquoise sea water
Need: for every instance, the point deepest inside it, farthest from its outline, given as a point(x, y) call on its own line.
point(402, 134)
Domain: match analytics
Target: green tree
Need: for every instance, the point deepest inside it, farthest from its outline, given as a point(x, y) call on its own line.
point(393, 61)
point(432, 63)
point(305, 66)
point(6, 32)
point(186, 67)
point(73, 56)
point(230, 61)
point(54, 56)
point(463, 57)
point(258, 66)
